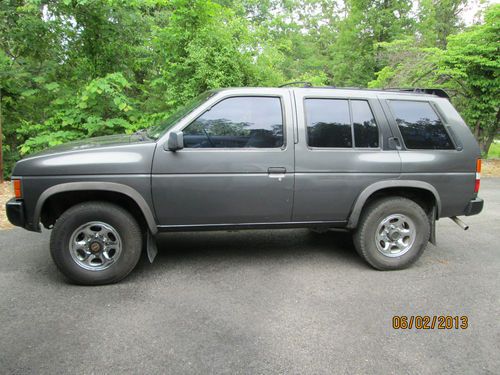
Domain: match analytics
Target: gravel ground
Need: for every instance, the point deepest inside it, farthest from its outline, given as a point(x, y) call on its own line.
point(491, 168)
point(5, 194)
point(257, 302)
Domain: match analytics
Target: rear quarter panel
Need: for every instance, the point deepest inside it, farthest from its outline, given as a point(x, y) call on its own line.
point(451, 172)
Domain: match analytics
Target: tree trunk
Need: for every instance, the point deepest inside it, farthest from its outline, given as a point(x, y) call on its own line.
point(487, 141)
point(477, 130)
point(1, 140)
point(486, 138)
point(485, 144)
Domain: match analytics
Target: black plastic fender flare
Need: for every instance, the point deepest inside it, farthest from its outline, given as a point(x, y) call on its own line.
point(103, 186)
point(380, 185)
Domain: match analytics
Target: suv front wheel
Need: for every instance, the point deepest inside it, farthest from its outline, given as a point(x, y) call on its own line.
point(96, 243)
point(392, 233)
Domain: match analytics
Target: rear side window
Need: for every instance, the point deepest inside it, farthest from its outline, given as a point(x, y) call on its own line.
point(328, 123)
point(365, 128)
point(420, 126)
point(238, 122)
point(331, 125)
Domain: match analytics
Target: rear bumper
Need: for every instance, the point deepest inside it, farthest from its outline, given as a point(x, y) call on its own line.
point(474, 207)
point(15, 212)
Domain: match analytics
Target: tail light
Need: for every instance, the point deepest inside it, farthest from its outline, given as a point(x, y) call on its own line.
point(17, 188)
point(478, 176)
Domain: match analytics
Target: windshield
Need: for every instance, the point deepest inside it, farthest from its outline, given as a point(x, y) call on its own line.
point(157, 131)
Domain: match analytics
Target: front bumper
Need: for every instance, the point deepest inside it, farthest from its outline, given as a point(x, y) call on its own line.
point(474, 207)
point(15, 212)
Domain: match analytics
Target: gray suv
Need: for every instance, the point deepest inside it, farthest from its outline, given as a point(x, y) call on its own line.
point(382, 164)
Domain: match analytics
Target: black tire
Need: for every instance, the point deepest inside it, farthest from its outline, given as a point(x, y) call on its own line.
point(119, 219)
point(365, 239)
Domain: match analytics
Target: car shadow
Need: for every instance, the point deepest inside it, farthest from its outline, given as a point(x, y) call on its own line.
point(249, 246)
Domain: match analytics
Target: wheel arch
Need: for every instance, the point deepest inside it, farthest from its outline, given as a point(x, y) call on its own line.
point(130, 195)
point(392, 187)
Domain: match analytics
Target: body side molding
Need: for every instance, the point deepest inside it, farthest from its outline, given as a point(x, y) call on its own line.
point(103, 186)
point(238, 226)
point(380, 185)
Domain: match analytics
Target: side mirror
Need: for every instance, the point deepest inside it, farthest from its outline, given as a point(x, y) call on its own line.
point(175, 141)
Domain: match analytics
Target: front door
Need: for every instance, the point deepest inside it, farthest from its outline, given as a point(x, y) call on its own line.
point(236, 166)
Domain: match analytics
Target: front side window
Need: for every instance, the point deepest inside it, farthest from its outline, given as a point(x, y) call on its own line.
point(328, 123)
point(238, 122)
point(420, 126)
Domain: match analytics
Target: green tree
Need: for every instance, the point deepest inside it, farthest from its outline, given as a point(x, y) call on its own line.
point(438, 19)
point(77, 68)
point(355, 53)
point(469, 67)
point(472, 62)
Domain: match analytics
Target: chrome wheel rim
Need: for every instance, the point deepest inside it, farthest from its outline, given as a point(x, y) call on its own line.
point(95, 246)
point(395, 235)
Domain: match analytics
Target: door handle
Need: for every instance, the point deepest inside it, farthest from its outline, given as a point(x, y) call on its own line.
point(276, 172)
point(271, 170)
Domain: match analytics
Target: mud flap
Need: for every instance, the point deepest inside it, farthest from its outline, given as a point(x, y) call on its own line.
point(432, 222)
point(151, 247)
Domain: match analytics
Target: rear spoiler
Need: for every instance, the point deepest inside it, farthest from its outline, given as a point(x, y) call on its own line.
point(438, 92)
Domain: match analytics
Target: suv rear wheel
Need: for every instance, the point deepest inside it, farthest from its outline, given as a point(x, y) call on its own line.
point(392, 233)
point(96, 243)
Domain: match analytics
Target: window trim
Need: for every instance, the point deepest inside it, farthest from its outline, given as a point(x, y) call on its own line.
point(283, 147)
point(353, 147)
point(436, 112)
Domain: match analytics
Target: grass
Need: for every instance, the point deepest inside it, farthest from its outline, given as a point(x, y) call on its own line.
point(494, 152)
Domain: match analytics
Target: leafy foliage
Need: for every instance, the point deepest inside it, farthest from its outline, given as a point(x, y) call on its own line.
point(472, 63)
point(469, 68)
point(71, 69)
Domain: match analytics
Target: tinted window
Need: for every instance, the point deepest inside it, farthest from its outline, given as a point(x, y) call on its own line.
point(328, 123)
point(420, 126)
point(156, 131)
point(365, 128)
point(238, 122)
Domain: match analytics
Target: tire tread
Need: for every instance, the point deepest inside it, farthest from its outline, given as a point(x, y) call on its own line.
point(368, 218)
point(58, 235)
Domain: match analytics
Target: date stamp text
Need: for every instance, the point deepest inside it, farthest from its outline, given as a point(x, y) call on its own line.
point(430, 322)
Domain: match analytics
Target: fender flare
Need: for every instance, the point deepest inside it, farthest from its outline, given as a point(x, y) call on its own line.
point(102, 186)
point(377, 186)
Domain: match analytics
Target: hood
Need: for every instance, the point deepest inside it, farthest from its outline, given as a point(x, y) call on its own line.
point(84, 144)
point(112, 154)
